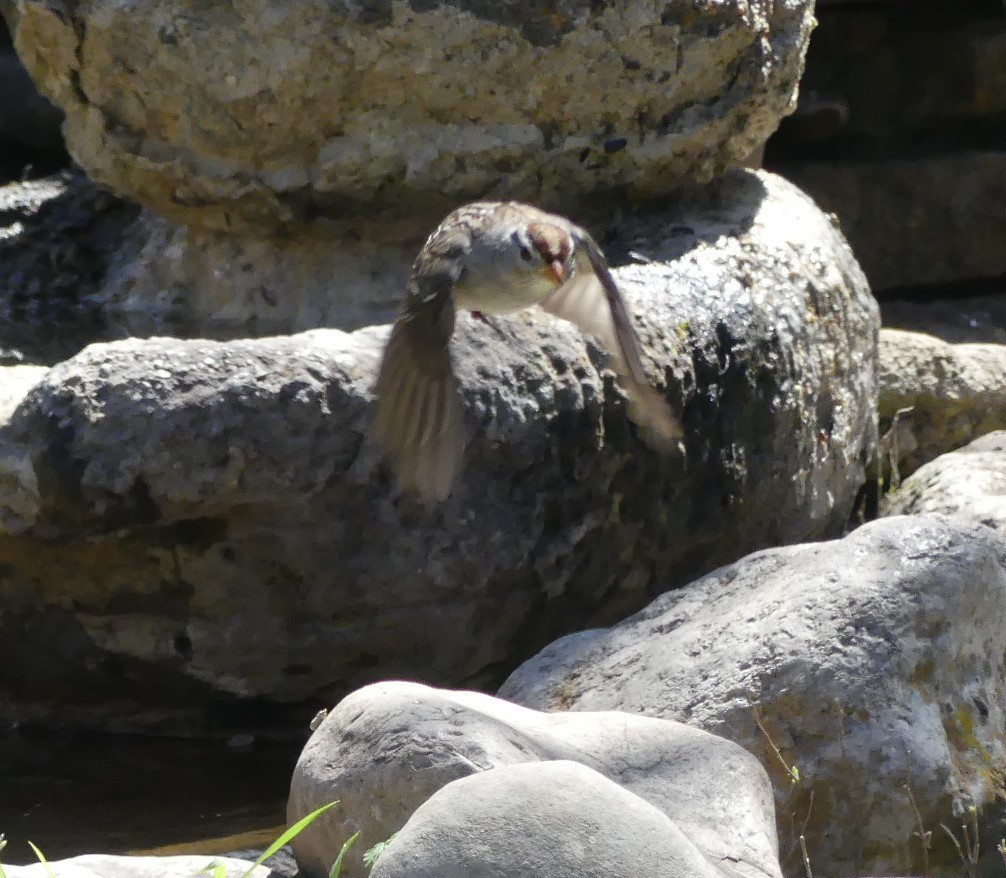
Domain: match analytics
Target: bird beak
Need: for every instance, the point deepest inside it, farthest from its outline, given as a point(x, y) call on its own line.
point(556, 271)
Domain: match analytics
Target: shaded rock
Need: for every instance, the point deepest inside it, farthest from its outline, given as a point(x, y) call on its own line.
point(978, 318)
point(105, 866)
point(551, 818)
point(874, 662)
point(916, 169)
point(262, 117)
point(223, 526)
point(386, 749)
point(969, 483)
point(947, 395)
point(914, 220)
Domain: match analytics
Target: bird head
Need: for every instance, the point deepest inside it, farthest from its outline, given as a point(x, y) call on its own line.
point(548, 249)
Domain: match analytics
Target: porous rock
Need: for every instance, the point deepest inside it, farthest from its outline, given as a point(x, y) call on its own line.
point(935, 396)
point(387, 748)
point(257, 117)
point(186, 519)
point(868, 674)
point(969, 483)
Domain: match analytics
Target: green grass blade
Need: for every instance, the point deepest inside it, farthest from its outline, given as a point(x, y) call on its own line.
point(42, 859)
point(337, 865)
point(291, 833)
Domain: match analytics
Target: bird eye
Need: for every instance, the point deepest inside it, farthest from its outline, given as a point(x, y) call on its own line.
point(526, 254)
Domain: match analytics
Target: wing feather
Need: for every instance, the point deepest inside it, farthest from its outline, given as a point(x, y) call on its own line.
point(591, 300)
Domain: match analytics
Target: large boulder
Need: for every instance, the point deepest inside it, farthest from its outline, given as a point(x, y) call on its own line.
point(969, 482)
point(935, 397)
point(386, 749)
point(183, 519)
point(868, 674)
point(259, 117)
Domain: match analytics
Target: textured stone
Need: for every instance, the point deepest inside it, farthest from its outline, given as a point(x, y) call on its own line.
point(387, 748)
point(554, 818)
point(969, 483)
point(947, 395)
point(223, 526)
point(263, 116)
point(873, 662)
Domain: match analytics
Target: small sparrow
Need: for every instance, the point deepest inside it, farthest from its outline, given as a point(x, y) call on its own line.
point(495, 258)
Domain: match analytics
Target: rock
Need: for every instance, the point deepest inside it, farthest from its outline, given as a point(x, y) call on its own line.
point(916, 169)
point(388, 748)
point(969, 483)
point(552, 818)
point(266, 117)
point(947, 394)
point(979, 318)
point(15, 382)
point(224, 528)
point(872, 662)
point(915, 220)
point(106, 866)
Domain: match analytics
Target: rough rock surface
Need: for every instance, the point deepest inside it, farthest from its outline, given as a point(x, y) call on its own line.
point(873, 662)
point(948, 395)
point(105, 866)
point(387, 748)
point(559, 819)
point(257, 117)
point(970, 483)
point(183, 519)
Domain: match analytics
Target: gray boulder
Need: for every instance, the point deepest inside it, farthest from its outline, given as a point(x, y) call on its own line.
point(559, 819)
point(388, 748)
point(864, 673)
point(263, 117)
point(224, 525)
point(935, 397)
point(969, 483)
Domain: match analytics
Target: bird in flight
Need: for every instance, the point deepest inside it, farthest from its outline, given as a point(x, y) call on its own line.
point(496, 258)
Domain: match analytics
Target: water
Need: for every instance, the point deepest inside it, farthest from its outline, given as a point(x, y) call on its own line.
point(88, 793)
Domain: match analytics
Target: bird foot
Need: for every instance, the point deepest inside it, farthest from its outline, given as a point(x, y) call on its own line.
point(482, 318)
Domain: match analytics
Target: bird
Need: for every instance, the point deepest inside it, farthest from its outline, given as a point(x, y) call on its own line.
point(495, 258)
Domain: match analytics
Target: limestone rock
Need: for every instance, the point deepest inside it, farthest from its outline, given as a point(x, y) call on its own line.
point(386, 749)
point(969, 483)
point(259, 117)
point(553, 818)
point(106, 866)
point(948, 395)
point(874, 662)
point(225, 528)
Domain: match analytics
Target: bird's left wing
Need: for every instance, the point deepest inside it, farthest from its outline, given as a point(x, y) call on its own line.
point(591, 300)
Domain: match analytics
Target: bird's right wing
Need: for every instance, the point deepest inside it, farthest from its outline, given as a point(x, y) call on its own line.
point(591, 300)
point(419, 419)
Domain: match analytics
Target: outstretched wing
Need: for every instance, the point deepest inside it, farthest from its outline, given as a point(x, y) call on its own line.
point(419, 419)
point(592, 301)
